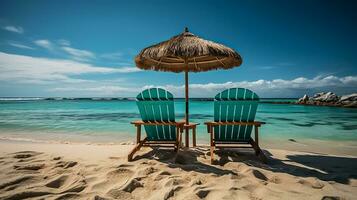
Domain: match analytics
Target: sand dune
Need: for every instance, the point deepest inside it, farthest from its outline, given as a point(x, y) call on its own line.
point(41, 172)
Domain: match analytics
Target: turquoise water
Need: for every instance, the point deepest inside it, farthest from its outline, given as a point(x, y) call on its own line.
point(109, 120)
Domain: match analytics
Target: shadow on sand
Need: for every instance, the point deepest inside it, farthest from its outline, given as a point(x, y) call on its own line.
point(186, 159)
point(323, 167)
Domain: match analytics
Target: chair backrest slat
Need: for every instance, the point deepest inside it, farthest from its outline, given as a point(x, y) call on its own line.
point(234, 105)
point(157, 105)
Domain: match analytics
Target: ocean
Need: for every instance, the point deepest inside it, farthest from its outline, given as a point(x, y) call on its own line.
point(108, 119)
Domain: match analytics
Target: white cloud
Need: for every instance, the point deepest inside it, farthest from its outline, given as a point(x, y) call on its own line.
point(127, 69)
point(18, 45)
point(44, 44)
point(64, 45)
point(19, 68)
point(15, 29)
point(270, 88)
point(96, 90)
point(78, 54)
point(62, 76)
point(264, 88)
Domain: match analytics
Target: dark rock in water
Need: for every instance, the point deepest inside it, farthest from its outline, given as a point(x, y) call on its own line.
point(326, 97)
point(304, 99)
point(292, 140)
point(349, 97)
point(330, 99)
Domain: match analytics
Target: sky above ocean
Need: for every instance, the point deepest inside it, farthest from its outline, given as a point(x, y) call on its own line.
point(87, 48)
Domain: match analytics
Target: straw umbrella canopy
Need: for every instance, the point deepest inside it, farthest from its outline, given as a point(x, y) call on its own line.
point(187, 52)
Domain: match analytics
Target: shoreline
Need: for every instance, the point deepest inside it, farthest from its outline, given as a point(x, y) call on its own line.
point(343, 148)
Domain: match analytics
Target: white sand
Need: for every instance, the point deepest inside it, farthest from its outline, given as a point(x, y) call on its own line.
point(83, 171)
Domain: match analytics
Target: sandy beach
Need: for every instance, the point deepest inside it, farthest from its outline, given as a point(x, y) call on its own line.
point(43, 170)
point(90, 89)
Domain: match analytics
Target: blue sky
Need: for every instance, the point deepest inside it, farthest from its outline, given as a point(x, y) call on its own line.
point(87, 48)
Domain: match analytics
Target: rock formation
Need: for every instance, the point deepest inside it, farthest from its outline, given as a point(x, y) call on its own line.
point(330, 99)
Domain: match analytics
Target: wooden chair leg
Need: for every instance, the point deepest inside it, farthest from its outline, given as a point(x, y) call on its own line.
point(212, 154)
point(258, 151)
point(255, 147)
point(138, 133)
point(187, 139)
point(262, 157)
point(212, 148)
point(135, 149)
point(194, 137)
point(178, 139)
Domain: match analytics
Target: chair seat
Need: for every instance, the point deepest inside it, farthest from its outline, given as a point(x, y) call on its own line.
point(161, 139)
point(233, 141)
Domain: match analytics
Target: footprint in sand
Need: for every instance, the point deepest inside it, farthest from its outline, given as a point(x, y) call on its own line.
point(198, 181)
point(25, 195)
point(162, 175)
point(174, 182)
point(171, 192)
point(275, 179)
point(57, 158)
point(66, 164)
point(165, 173)
point(119, 172)
point(97, 197)
point(125, 165)
point(33, 167)
point(25, 154)
point(67, 183)
point(314, 183)
point(68, 196)
point(77, 185)
point(57, 182)
point(124, 192)
point(146, 171)
point(202, 193)
point(18, 156)
point(113, 179)
point(16, 181)
point(250, 187)
point(119, 194)
point(233, 189)
point(132, 185)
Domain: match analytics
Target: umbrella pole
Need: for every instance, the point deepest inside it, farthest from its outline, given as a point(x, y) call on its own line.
point(186, 113)
point(186, 97)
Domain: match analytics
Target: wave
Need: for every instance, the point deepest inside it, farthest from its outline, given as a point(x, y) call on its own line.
point(21, 98)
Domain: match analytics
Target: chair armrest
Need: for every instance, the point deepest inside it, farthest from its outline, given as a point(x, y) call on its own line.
point(140, 122)
point(182, 120)
point(255, 123)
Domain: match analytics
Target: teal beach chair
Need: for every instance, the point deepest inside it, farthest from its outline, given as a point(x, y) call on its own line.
point(156, 107)
point(234, 113)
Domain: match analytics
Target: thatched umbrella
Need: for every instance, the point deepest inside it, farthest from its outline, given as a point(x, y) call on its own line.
point(187, 53)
